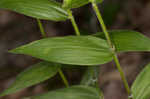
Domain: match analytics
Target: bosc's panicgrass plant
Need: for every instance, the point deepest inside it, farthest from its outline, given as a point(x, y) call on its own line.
point(88, 51)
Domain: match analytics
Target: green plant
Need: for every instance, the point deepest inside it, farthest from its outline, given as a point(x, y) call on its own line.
point(87, 51)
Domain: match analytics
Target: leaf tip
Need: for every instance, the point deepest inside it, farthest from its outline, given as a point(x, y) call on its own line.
point(12, 51)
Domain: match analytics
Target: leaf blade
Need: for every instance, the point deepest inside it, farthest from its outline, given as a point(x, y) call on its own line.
point(74, 92)
point(127, 40)
point(141, 86)
point(31, 76)
point(40, 9)
point(77, 3)
point(81, 50)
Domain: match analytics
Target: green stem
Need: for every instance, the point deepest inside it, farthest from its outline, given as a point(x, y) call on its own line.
point(95, 7)
point(60, 71)
point(102, 23)
point(122, 74)
point(41, 28)
point(63, 78)
point(71, 17)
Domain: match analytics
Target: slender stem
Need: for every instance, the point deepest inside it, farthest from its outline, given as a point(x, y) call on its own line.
point(60, 71)
point(95, 7)
point(41, 28)
point(102, 24)
point(122, 74)
point(63, 78)
point(71, 17)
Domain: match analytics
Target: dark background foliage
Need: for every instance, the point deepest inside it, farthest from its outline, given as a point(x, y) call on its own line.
point(17, 29)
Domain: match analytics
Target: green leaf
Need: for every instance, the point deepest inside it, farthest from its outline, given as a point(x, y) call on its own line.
point(77, 3)
point(40, 9)
point(31, 76)
point(141, 86)
point(90, 76)
point(78, 50)
point(74, 92)
point(126, 40)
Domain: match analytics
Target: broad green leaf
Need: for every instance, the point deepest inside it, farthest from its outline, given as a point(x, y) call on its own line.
point(76, 3)
point(31, 76)
point(40, 9)
point(126, 40)
point(90, 76)
point(141, 86)
point(78, 50)
point(74, 92)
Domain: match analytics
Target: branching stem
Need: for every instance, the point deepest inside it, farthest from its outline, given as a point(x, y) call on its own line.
point(95, 7)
